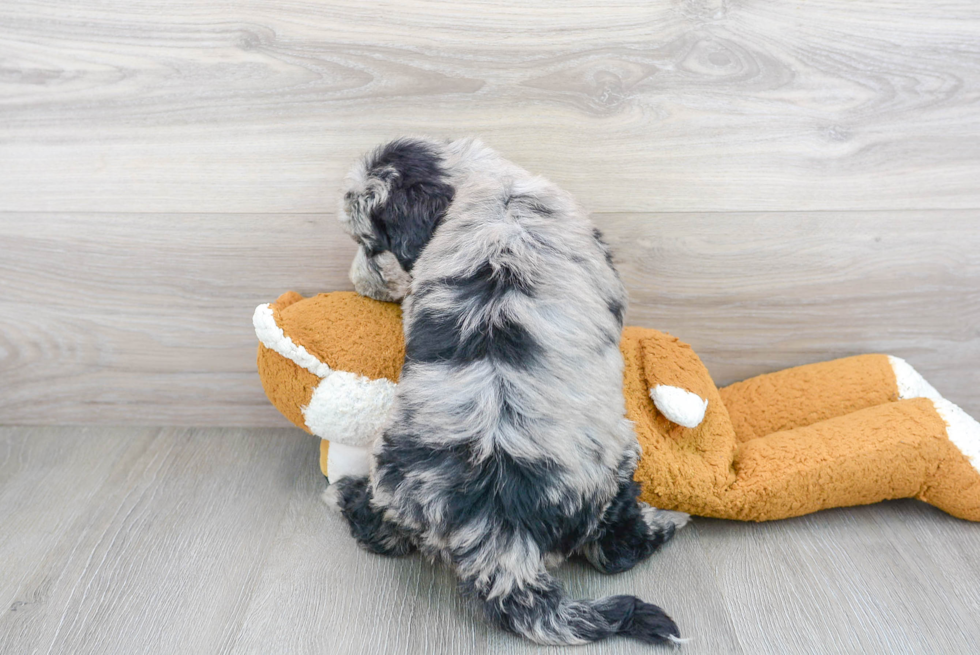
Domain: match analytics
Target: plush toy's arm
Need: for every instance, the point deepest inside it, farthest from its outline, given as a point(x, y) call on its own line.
point(349, 408)
point(677, 378)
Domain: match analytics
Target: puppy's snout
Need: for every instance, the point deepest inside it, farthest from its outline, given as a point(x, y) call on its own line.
point(380, 277)
point(367, 281)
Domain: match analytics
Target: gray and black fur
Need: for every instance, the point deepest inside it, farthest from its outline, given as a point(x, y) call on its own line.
point(507, 448)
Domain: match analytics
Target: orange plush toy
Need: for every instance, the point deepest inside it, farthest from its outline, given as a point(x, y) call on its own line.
point(846, 432)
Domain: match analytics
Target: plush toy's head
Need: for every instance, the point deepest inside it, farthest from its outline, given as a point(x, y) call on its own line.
point(330, 362)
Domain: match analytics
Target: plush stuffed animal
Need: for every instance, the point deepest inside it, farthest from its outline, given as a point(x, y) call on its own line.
point(846, 432)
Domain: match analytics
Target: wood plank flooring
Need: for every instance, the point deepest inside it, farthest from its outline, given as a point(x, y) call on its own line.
point(213, 540)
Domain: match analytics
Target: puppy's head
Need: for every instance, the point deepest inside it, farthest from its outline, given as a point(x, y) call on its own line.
point(394, 200)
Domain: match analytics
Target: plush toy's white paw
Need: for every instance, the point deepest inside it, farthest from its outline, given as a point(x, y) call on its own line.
point(344, 461)
point(679, 406)
point(910, 383)
point(962, 429)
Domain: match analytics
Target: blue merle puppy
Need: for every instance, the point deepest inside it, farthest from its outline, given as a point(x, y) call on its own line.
point(507, 448)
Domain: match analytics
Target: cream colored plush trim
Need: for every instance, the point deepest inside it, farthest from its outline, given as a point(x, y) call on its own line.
point(679, 405)
point(962, 429)
point(272, 337)
point(910, 383)
point(347, 408)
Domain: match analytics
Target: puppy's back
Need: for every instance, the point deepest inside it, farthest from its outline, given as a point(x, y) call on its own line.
point(513, 375)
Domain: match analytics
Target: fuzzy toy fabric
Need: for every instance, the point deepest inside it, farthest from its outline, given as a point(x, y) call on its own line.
point(847, 432)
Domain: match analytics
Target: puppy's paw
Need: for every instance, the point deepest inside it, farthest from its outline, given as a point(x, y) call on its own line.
point(663, 520)
point(331, 497)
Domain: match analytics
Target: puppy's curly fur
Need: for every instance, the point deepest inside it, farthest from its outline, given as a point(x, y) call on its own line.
point(507, 447)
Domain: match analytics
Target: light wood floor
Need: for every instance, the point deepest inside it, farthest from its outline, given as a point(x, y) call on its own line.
point(213, 540)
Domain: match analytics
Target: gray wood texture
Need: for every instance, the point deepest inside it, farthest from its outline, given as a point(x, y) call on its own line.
point(146, 318)
point(213, 540)
point(691, 105)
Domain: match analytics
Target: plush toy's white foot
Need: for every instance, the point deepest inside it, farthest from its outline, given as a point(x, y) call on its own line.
point(954, 486)
point(962, 429)
point(678, 405)
point(910, 383)
point(344, 461)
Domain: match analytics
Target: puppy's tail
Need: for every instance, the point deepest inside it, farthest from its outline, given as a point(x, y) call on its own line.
point(541, 612)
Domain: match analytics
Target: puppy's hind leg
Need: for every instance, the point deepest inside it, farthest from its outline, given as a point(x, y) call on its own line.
point(352, 497)
point(630, 531)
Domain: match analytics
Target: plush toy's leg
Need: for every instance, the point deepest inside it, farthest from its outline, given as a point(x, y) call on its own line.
point(804, 395)
point(339, 460)
point(908, 382)
point(324, 458)
point(955, 485)
point(919, 448)
point(630, 532)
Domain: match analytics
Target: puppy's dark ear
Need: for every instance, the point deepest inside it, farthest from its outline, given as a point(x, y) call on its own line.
point(410, 216)
point(418, 196)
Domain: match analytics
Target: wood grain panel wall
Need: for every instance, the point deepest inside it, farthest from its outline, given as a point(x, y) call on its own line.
point(146, 318)
point(781, 182)
point(700, 105)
